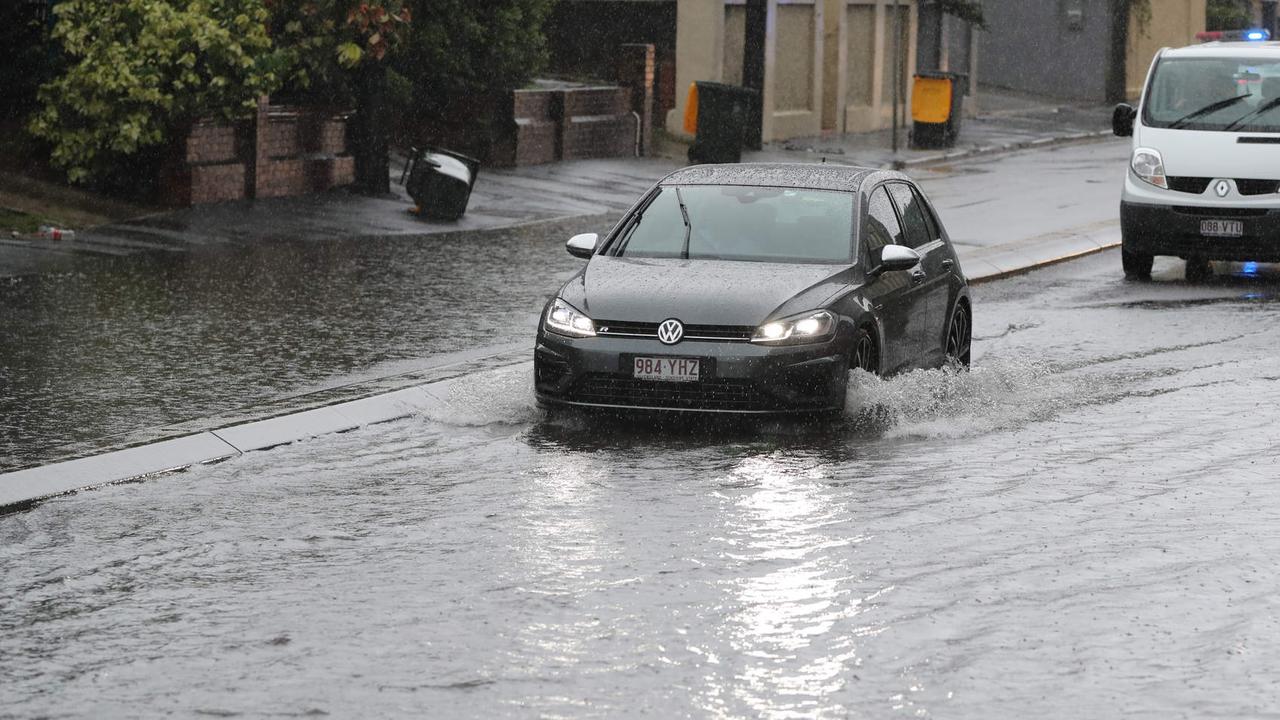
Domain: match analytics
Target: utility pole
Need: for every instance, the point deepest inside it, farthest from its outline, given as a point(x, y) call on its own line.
point(897, 71)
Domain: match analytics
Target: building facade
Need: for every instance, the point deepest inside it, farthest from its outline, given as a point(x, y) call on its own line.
point(1080, 50)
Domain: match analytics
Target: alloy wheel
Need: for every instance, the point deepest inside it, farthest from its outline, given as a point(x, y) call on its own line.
point(864, 353)
point(959, 337)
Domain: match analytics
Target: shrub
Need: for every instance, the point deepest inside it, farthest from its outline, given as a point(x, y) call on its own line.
point(460, 50)
point(140, 71)
point(26, 58)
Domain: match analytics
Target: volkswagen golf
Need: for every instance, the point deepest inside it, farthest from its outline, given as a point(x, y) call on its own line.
point(754, 289)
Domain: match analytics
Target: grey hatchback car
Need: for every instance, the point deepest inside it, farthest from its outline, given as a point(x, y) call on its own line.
point(754, 289)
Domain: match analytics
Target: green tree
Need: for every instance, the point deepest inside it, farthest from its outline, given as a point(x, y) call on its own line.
point(26, 58)
point(1228, 15)
point(968, 10)
point(337, 52)
point(141, 71)
point(464, 55)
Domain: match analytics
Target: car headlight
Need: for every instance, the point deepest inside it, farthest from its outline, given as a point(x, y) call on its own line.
point(564, 319)
point(806, 328)
point(1149, 167)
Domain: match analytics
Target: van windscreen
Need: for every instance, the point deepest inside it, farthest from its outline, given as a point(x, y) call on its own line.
point(1215, 94)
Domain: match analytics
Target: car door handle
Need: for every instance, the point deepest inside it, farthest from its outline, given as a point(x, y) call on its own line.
point(918, 276)
point(948, 264)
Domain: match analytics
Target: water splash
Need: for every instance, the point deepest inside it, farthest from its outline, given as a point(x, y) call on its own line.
point(999, 393)
point(503, 396)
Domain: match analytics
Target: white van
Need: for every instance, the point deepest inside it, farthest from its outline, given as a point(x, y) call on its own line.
point(1204, 177)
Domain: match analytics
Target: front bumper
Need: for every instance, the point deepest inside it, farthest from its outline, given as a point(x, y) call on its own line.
point(1154, 221)
point(737, 377)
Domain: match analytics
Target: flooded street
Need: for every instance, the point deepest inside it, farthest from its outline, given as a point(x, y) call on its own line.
point(1082, 526)
point(230, 328)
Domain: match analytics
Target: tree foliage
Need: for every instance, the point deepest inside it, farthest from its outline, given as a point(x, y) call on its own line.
point(139, 69)
point(462, 48)
point(1228, 15)
point(968, 10)
point(25, 61)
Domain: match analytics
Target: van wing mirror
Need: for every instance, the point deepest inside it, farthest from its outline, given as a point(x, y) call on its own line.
point(1122, 120)
point(583, 246)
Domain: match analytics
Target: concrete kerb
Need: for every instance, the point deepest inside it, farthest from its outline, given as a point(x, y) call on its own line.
point(986, 150)
point(22, 488)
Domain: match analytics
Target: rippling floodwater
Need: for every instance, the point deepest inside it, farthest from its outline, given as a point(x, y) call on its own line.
point(149, 341)
point(1082, 527)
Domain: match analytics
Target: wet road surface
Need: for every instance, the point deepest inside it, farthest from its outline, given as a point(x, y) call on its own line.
point(1083, 526)
point(97, 354)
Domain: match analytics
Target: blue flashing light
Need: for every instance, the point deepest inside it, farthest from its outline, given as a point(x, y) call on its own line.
point(1257, 35)
point(1250, 268)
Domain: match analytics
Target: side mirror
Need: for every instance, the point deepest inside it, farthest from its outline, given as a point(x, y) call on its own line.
point(583, 246)
point(893, 258)
point(1122, 120)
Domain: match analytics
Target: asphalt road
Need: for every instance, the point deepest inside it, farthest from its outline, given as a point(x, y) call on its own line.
point(118, 351)
point(1082, 526)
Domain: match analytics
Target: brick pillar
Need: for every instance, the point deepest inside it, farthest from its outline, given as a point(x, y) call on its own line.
point(256, 175)
point(636, 71)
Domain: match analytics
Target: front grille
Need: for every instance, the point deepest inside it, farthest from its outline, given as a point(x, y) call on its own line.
point(1187, 184)
point(710, 394)
point(718, 333)
point(1257, 187)
point(1220, 211)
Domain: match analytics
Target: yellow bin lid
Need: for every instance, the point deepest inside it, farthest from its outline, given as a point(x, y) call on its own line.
point(931, 100)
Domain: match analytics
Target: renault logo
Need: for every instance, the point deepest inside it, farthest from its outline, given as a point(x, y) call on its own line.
point(1222, 188)
point(670, 332)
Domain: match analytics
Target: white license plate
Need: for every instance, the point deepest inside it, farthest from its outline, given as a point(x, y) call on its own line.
point(1221, 228)
point(667, 369)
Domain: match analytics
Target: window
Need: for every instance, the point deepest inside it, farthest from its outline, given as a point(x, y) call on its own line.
point(882, 222)
point(1215, 94)
point(760, 224)
point(914, 215)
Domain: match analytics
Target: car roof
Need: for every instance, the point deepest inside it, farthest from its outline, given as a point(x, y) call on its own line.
point(809, 176)
point(1252, 50)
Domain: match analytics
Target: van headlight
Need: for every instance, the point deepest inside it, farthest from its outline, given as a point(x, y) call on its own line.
point(806, 328)
point(564, 319)
point(1149, 167)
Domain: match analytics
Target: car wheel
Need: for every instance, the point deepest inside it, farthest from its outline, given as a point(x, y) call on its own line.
point(1137, 266)
point(1198, 269)
point(865, 355)
point(959, 338)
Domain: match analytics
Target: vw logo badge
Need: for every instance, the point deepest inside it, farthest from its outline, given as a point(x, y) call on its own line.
point(1222, 188)
point(670, 332)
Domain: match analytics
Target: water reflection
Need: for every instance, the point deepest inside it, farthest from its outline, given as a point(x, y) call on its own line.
point(793, 604)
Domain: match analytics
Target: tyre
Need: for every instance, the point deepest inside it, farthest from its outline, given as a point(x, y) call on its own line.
point(1137, 266)
point(959, 347)
point(1198, 270)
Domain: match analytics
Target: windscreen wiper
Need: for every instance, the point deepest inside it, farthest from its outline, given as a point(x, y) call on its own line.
point(1210, 108)
point(688, 227)
point(1268, 105)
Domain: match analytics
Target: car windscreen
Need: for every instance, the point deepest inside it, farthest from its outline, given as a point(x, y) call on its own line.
point(761, 224)
point(1215, 94)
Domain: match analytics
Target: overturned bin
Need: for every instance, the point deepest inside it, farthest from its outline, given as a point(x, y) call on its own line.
point(440, 182)
point(936, 101)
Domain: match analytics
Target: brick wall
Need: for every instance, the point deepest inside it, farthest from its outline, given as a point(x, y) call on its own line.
point(536, 128)
point(282, 151)
point(597, 122)
point(567, 123)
